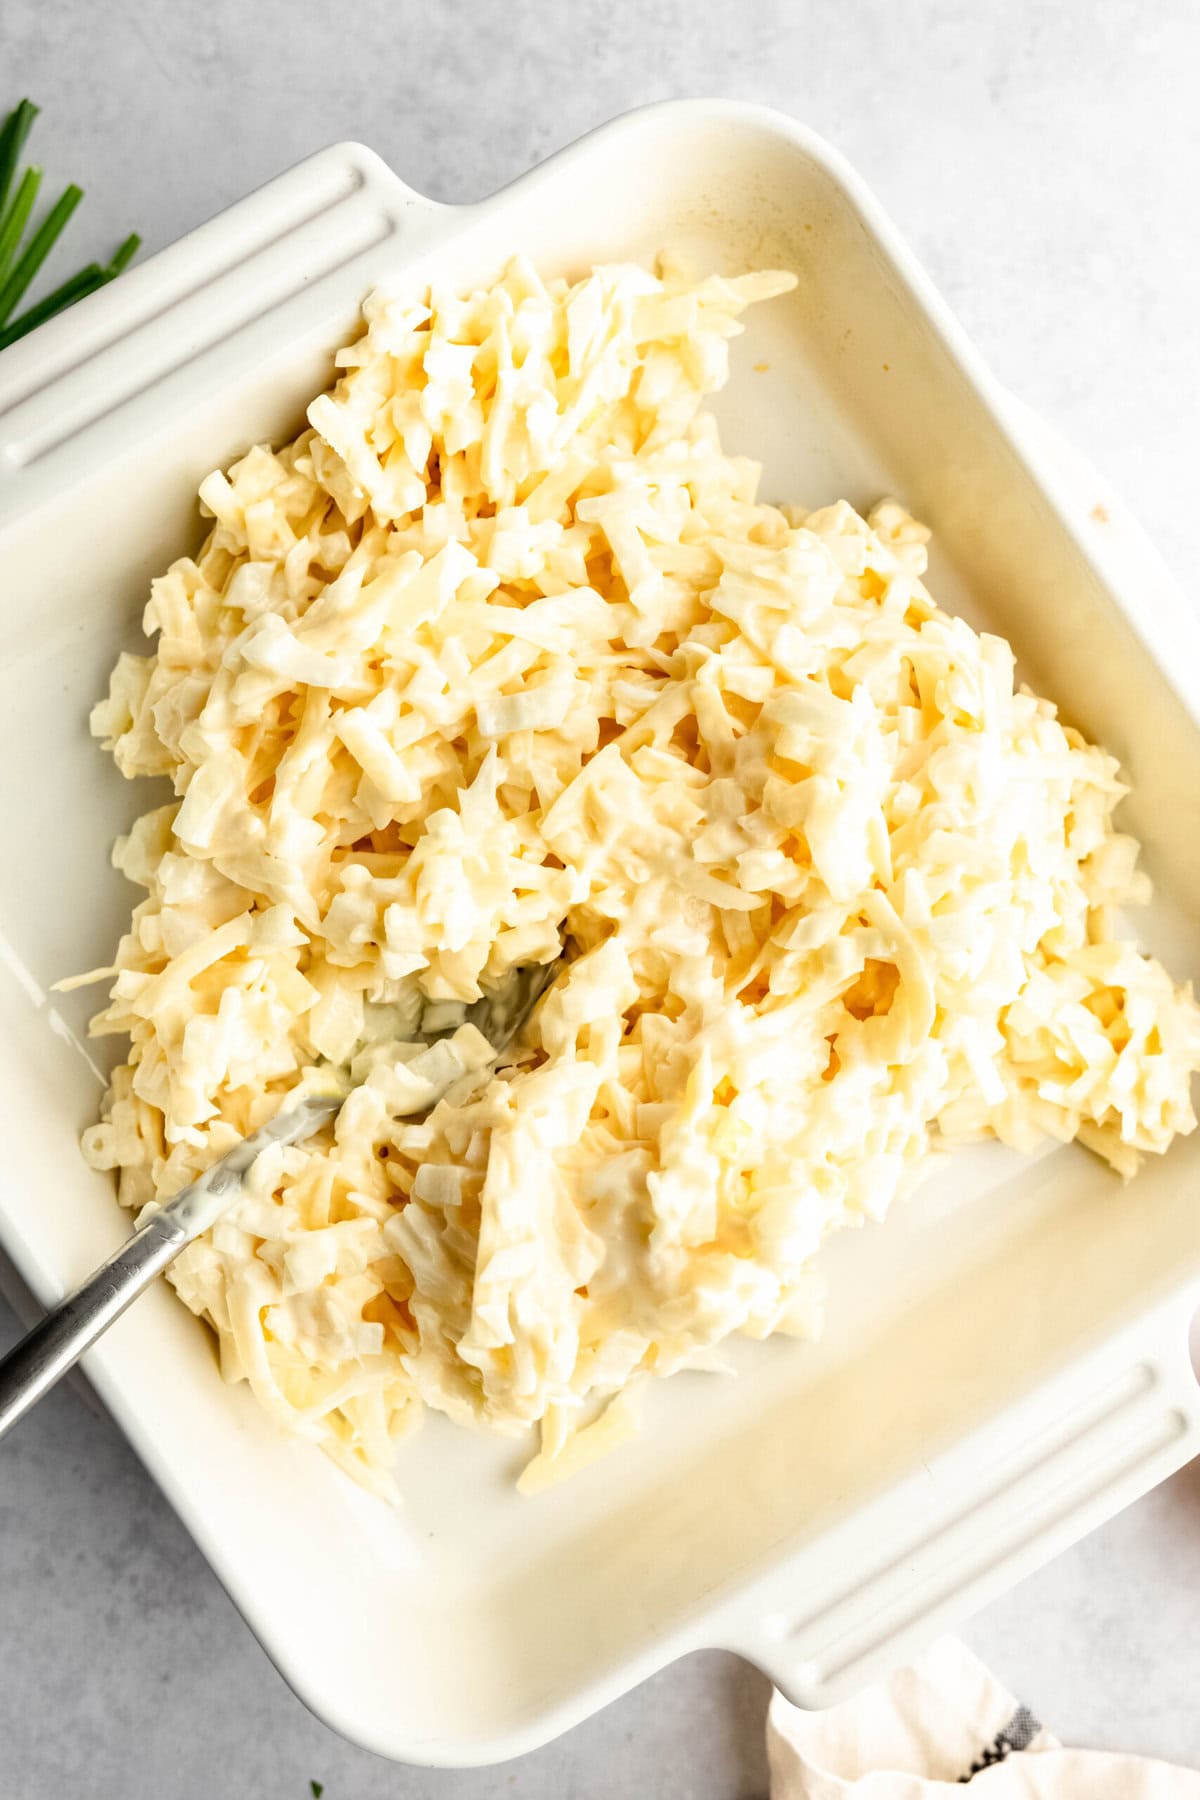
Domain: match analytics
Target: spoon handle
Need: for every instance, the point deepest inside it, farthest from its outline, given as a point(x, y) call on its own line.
point(53, 1346)
point(60, 1339)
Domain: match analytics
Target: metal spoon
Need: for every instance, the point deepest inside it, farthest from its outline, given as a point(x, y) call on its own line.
point(45, 1354)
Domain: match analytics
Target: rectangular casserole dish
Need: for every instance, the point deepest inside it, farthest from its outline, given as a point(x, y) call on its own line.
point(1006, 1360)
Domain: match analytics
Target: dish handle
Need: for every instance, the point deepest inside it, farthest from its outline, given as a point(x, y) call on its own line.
point(273, 250)
point(984, 1517)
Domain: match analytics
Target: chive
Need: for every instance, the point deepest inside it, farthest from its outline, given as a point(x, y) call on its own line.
point(12, 141)
point(124, 255)
point(19, 266)
point(17, 216)
point(37, 249)
point(78, 288)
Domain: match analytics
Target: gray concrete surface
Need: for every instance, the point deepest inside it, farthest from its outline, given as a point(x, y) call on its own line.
point(1043, 158)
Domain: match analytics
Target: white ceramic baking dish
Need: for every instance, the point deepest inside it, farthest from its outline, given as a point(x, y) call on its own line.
point(1005, 1362)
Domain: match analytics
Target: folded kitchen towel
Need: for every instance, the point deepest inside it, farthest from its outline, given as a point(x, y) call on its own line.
point(942, 1722)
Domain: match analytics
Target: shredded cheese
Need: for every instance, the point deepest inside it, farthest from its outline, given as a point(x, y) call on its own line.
point(503, 654)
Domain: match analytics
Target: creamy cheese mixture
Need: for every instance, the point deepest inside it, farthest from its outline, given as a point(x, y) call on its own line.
point(503, 656)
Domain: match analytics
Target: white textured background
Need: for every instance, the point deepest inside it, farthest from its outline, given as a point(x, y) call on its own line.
point(1043, 156)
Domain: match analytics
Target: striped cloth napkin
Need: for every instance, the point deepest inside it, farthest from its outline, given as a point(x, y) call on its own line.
point(942, 1722)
